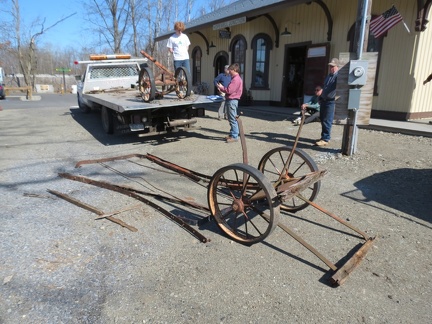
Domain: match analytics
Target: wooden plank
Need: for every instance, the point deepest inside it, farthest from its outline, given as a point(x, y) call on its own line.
point(92, 209)
point(21, 89)
point(342, 274)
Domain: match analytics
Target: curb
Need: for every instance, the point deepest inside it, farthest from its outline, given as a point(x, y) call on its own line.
point(390, 129)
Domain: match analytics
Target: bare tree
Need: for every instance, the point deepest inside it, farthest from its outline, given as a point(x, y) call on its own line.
point(51, 58)
point(189, 5)
point(133, 24)
point(213, 5)
point(111, 18)
point(135, 17)
point(120, 24)
point(25, 47)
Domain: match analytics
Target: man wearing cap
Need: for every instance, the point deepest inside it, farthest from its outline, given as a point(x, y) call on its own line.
point(327, 103)
point(224, 78)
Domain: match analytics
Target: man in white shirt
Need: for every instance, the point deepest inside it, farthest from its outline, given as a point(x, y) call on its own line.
point(178, 45)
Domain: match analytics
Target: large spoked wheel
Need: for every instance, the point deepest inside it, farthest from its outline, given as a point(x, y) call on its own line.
point(183, 82)
point(243, 202)
point(107, 120)
point(147, 85)
point(271, 165)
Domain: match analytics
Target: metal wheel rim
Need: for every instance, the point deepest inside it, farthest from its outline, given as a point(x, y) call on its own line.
point(182, 83)
point(272, 163)
point(146, 85)
point(231, 201)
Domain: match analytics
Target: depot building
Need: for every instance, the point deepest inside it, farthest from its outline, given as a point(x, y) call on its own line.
point(283, 48)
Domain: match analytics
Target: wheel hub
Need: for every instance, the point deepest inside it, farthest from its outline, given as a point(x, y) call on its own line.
point(238, 205)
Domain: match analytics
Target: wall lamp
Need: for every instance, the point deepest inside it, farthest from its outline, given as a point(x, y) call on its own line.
point(286, 32)
point(212, 45)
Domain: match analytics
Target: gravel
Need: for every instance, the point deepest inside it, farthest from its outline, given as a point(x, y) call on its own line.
point(60, 265)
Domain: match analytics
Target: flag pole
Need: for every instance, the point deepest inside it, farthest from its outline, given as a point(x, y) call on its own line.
point(406, 27)
point(403, 21)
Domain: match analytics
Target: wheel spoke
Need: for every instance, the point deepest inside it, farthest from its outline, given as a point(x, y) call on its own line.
point(278, 172)
point(251, 221)
point(298, 168)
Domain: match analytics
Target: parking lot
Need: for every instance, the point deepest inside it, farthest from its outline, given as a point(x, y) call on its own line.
point(60, 265)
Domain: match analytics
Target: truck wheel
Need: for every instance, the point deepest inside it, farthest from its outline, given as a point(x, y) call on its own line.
point(107, 120)
point(82, 106)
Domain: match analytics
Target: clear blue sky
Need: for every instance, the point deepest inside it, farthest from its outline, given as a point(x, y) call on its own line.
point(67, 33)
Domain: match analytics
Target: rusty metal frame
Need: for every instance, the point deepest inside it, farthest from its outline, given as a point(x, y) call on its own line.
point(285, 189)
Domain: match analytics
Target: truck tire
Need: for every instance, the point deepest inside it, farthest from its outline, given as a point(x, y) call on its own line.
point(82, 106)
point(107, 120)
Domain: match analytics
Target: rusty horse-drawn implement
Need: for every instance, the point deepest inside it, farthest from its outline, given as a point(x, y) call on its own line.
point(180, 81)
point(246, 202)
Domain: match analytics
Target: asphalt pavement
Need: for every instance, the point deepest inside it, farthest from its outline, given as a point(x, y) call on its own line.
point(58, 264)
point(418, 127)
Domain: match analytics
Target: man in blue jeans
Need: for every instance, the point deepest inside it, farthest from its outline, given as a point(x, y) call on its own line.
point(327, 103)
point(233, 94)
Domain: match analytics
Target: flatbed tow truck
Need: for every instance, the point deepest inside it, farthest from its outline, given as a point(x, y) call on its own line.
point(111, 84)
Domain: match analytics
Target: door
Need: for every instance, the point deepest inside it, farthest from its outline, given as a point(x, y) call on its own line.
point(316, 67)
point(221, 59)
point(305, 66)
point(293, 77)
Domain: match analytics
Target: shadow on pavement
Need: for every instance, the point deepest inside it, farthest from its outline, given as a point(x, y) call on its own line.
point(406, 190)
point(91, 122)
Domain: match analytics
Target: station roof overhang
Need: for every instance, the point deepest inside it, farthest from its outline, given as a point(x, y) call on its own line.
point(246, 10)
point(236, 13)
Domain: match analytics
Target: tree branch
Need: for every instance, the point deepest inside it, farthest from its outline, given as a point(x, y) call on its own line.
point(43, 30)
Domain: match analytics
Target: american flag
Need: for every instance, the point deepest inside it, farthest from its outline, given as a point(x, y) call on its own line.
point(384, 22)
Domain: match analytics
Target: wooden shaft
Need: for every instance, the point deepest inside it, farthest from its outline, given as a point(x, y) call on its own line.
point(156, 63)
point(92, 209)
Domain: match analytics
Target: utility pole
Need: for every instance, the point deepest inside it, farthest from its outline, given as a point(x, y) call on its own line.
point(349, 142)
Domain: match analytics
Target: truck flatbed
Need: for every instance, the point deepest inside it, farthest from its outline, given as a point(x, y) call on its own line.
point(129, 100)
